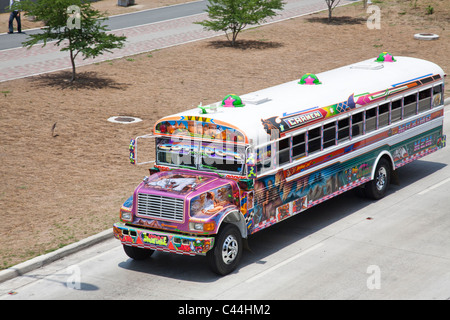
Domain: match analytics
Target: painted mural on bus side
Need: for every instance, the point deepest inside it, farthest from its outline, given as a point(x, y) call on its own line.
point(277, 198)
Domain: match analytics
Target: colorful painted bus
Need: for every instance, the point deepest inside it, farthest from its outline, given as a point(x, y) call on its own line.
point(227, 170)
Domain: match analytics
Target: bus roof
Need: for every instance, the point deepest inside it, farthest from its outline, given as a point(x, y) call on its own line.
point(291, 105)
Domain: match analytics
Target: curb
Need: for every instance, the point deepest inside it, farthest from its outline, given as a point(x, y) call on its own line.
point(45, 259)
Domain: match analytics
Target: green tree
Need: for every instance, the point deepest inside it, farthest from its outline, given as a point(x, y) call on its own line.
point(231, 16)
point(74, 25)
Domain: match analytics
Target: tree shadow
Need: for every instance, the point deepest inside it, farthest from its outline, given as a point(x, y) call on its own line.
point(338, 21)
point(84, 80)
point(245, 44)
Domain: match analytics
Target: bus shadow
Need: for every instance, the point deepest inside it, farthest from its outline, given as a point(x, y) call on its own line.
point(267, 242)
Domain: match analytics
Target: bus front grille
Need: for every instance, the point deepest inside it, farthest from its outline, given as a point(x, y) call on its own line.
point(160, 207)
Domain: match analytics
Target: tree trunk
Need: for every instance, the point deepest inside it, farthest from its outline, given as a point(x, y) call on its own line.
point(233, 40)
point(72, 60)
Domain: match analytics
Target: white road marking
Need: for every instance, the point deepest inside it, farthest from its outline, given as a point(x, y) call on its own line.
point(279, 265)
point(437, 185)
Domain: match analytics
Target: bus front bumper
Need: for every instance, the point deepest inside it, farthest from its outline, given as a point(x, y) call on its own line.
point(162, 241)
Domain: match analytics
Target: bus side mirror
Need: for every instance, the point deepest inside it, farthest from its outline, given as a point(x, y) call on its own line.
point(131, 148)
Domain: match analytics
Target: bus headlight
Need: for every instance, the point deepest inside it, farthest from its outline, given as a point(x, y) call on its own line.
point(201, 226)
point(126, 215)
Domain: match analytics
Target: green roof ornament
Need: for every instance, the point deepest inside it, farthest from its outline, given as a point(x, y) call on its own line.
point(232, 101)
point(309, 79)
point(385, 57)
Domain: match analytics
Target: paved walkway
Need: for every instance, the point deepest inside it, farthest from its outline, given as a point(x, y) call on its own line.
point(21, 62)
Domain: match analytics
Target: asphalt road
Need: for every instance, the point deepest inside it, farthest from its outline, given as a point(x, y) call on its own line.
point(346, 248)
point(8, 41)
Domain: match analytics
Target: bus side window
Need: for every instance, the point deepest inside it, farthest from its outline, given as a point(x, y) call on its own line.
point(383, 115)
point(396, 110)
point(437, 96)
point(343, 129)
point(357, 124)
point(284, 150)
point(298, 146)
point(371, 120)
point(424, 100)
point(314, 137)
point(329, 135)
point(410, 104)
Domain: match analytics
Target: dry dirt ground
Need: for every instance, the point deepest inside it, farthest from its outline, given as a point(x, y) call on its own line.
point(60, 186)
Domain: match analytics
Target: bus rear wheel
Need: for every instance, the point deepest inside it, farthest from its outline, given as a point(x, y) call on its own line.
point(377, 188)
point(227, 252)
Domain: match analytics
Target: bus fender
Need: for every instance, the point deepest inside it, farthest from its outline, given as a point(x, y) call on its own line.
point(235, 217)
point(382, 154)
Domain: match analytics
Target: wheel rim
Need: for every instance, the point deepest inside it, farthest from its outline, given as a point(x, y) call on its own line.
point(230, 249)
point(381, 178)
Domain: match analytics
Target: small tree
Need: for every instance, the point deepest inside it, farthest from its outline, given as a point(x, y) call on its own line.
point(231, 16)
point(331, 4)
point(75, 26)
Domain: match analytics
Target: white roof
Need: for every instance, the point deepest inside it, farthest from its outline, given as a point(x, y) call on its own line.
point(337, 86)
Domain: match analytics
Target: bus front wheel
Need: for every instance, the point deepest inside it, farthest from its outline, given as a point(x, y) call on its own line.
point(136, 253)
point(227, 251)
point(376, 188)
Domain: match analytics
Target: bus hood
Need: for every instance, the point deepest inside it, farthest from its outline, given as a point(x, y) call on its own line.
point(176, 183)
point(164, 200)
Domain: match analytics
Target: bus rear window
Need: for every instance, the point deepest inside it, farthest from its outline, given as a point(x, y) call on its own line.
point(438, 97)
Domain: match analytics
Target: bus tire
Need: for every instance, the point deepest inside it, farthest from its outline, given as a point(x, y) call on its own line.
point(377, 188)
point(136, 253)
point(227, 252)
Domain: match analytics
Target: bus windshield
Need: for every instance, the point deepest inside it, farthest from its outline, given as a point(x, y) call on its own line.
point(201, 155)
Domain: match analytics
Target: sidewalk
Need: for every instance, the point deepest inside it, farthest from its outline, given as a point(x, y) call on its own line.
point(21, 62)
